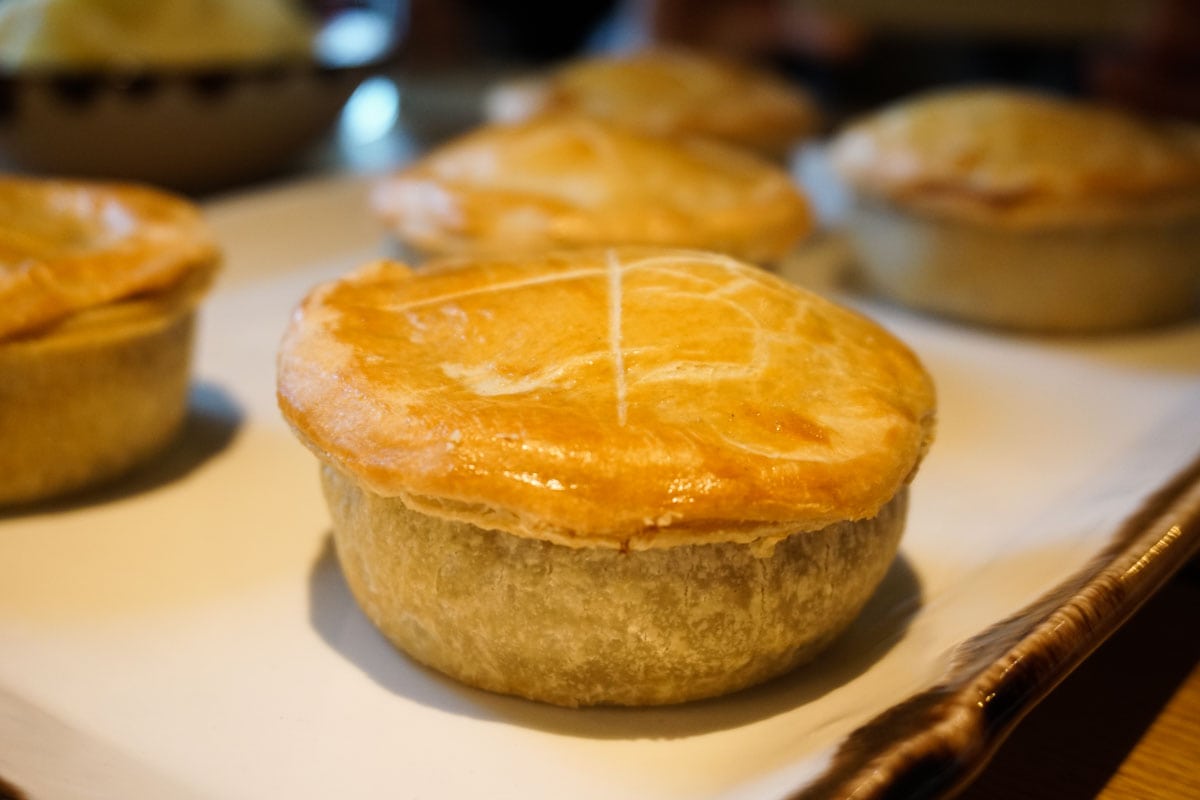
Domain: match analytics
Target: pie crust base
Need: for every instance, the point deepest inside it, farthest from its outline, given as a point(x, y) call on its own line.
point(597, 626)
point(1084, 280)
point(90, 399)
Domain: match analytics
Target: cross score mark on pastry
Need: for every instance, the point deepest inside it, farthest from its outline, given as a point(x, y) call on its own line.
point(484, 380)
point(614, 331)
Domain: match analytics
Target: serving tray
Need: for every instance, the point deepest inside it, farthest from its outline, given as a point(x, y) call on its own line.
point(187, 632)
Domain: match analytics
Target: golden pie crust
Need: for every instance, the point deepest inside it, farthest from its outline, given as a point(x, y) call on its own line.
point(98, 288)
point(526, 394)
point(1026, 211)
point(669, 92)
point(66, 246)
point(569, 182)
point(623, 476)
point(1022, 160)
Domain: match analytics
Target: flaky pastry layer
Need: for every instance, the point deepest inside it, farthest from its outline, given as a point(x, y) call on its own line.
point(1022, 159)
point(564, 182)
point(67, 246)
point(630, 398)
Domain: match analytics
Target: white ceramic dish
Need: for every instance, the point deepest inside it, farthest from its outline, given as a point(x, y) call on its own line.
point(194, 127)
point(192, 131)
point(187, 633)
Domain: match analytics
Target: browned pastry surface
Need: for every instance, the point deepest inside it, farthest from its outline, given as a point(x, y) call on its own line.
point(630, 397)
point(1021, 158)
point(570, 182)
point(67, 246)
point(668, 91)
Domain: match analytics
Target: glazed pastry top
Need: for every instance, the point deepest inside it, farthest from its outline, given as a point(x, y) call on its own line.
point(572, 182)
point(629, 397)
point(69, 246)
point(995, 153)
point(671, 92)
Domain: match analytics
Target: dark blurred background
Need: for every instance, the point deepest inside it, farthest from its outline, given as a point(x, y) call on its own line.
point(854, 54)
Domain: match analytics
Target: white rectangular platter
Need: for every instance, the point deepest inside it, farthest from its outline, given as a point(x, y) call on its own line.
point(187, 633)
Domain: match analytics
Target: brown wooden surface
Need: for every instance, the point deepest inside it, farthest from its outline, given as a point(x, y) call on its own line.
point(1125, 725)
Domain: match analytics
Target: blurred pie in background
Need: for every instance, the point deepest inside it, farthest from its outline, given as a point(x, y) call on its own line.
point(669, 92)
point(1025, 210)
point(61, 34)
point(566, 181)
point(99, 284)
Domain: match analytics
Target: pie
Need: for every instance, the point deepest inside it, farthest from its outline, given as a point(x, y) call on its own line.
point(625, 476)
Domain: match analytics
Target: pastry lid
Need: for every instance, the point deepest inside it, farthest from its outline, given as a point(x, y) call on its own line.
point(999, 151)
point(573, 182)
point(67, 246)
point(668, 91)
point(631, 397)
